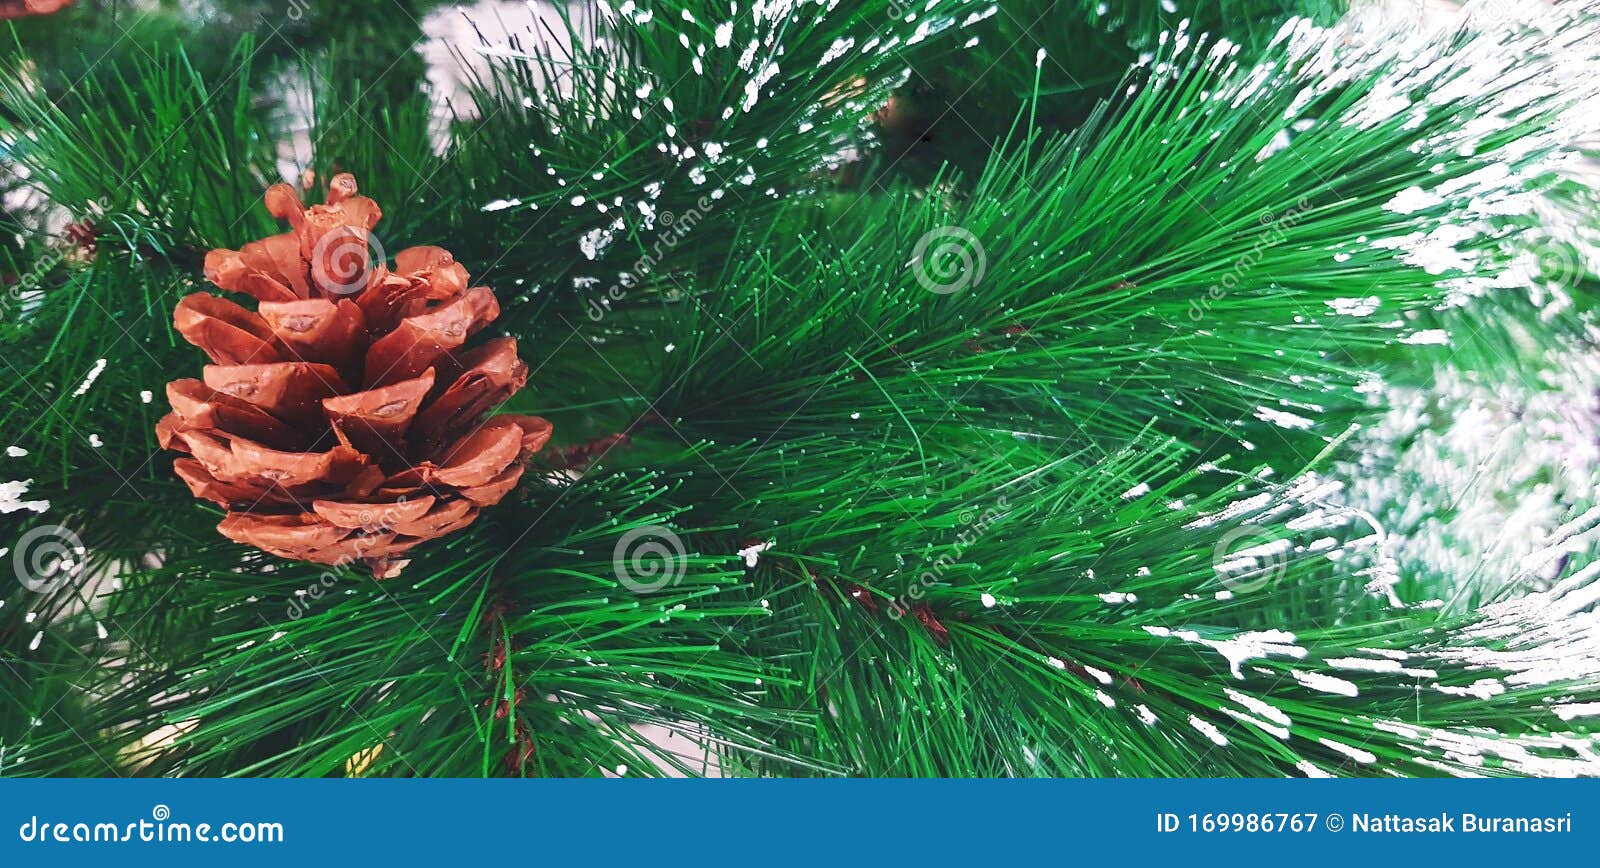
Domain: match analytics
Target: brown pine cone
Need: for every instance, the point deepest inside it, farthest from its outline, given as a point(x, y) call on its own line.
point(343, 419)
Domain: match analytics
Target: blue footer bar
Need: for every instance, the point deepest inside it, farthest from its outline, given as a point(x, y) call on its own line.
point(66, 822)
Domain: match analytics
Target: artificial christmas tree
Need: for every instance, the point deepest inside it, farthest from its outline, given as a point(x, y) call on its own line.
point(1029, 454)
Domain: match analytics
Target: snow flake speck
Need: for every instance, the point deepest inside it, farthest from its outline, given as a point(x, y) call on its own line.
point(11, 497)
point(1282, 419)
point(1412, 200)
point(1310, 770)
point(1209, 730)
point(593, 242)
point(1427, 336)
point(88, 381)
point(1365, 306)
point(1326, 683)
point(838, 49)
point(1355, 753)
point(752, 554)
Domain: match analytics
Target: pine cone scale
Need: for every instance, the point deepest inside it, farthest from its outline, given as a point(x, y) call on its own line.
point(481, 456)
point(492, 375)
point(419, 341)
point(229, 334)
point(343, 419)
point(377, 420)
point(348, 514)
point(317, 330)
point(203, 406)
point(291, 391)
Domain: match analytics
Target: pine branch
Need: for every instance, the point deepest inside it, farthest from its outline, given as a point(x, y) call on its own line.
point(1055, 62)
